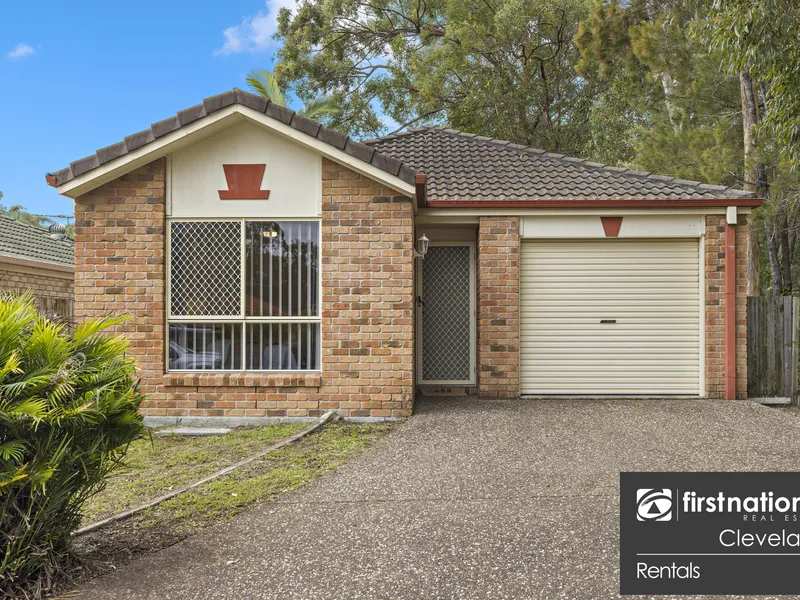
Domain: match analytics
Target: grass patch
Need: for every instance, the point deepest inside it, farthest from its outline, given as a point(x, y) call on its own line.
point(278, 472)
point(164, 463)
point(157, 465)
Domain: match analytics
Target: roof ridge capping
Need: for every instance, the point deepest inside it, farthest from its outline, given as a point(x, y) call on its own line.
point(573, 161)
point(394, 135)
point(212, 104)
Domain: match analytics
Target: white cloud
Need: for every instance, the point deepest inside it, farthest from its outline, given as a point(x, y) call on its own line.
point(254, 32)
point(21, 51)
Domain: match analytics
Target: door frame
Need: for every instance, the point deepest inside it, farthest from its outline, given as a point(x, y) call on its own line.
point(420, 292)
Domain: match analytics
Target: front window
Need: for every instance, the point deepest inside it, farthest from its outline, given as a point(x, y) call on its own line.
point(244, 295)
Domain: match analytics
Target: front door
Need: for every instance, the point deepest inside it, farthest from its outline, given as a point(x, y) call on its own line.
point(446, 315)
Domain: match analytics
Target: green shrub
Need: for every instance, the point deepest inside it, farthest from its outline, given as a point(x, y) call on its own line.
point(68, 410)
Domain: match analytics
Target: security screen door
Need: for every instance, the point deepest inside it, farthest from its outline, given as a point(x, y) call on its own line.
point(446, 308)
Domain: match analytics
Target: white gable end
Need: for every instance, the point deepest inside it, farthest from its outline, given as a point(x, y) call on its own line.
point(292, 174)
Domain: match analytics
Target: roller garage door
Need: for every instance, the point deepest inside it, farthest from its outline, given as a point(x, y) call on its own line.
point(610, 316)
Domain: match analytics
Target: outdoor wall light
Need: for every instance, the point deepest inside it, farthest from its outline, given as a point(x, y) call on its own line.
point(422, 245)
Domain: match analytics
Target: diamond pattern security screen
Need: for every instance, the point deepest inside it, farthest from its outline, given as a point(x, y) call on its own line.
point(447, 314)
point(205, 271)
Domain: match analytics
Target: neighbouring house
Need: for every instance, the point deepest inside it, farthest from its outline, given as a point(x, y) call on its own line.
point(272, 267)
point(40, 261)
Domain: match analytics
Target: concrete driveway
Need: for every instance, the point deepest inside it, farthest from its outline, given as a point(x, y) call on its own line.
point(468, 499)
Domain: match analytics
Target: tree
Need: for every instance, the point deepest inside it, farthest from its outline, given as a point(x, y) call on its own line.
point(759, 40)
point(670, 107)
point(503, 68)
point(264, 83)
point(703, 109)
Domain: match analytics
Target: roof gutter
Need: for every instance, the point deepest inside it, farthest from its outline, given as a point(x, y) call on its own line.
point(597, 203)
point(34, 263)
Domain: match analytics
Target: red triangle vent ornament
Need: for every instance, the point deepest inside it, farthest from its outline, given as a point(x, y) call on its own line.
point(244, 182)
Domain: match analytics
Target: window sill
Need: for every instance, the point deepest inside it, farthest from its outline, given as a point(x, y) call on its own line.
point(294, 379)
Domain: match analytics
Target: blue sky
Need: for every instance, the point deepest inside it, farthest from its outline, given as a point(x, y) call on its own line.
point(79, 76)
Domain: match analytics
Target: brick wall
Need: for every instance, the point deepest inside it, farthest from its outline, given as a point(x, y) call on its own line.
point(44, 284)
point(715, 306)
point(498, 307)
point(367, 302)
point(119, 265)
point(367, 296)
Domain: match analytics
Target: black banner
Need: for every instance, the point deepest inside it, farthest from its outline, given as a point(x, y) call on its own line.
point(709, 533)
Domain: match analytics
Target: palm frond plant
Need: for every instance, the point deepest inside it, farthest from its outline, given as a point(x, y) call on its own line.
point(69, 407)
point(319, 106)
point(264, 83)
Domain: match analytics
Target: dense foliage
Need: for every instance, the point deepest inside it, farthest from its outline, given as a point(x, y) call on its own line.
point(68, 410)
point(504, 68)
point(672, 108)
point(761, 38)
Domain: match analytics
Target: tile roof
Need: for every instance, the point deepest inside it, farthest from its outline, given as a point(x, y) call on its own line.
point(214, 103)
point(20, 240)
point(458, 165)
point(464, 166)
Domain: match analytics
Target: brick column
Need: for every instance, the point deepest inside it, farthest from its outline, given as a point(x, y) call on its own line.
point(741, 307)
point(498, 307)
point(715, 266)
point(367, 296)
point(730, 311)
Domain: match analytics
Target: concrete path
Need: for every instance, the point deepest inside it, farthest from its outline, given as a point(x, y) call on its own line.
point(468, 499)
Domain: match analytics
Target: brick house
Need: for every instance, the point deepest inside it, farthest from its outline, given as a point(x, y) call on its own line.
point(36, 260)
point(274, 268)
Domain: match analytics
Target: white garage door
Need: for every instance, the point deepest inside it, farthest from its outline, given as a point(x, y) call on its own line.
point(610, 316)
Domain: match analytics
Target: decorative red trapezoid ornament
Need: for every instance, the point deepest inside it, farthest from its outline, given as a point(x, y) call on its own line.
point(244, 183)
point(611, 225)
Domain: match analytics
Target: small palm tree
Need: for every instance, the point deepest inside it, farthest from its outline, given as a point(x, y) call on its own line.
point(264, 83)
point(69, 407)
